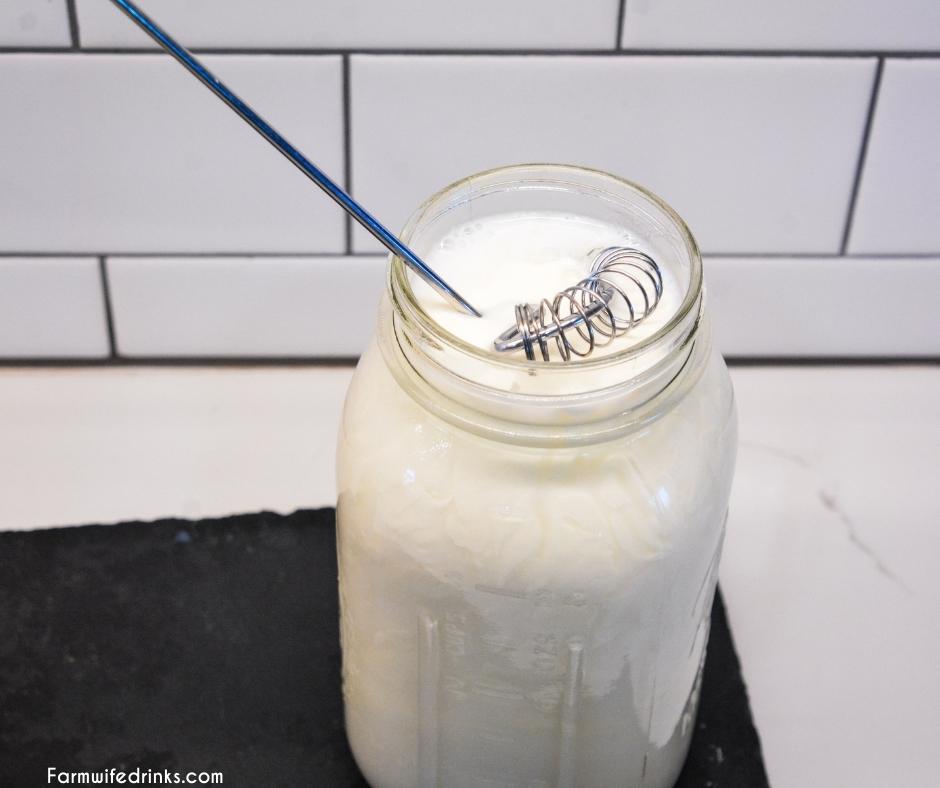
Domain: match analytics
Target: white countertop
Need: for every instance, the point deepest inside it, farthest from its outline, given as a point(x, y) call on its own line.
point(830, 566)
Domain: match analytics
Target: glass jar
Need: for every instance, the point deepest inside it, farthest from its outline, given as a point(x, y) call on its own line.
point(528, 551)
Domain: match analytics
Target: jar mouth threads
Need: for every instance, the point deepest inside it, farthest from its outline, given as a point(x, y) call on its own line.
point(545, 400)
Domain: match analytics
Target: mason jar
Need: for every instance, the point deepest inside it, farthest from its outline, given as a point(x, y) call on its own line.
point(528, 550)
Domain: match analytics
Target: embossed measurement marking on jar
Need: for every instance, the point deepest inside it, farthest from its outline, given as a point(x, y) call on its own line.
point(501, 591)
point(501, 689)
point(542, 596)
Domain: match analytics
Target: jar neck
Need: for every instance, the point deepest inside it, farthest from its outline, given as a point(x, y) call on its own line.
point(537, 402)
point(546, 420)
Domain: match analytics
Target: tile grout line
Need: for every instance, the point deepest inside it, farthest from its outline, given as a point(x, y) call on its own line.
point(347, 150)
point(73, 24)
point(507, 52)
point(237, 255)
point(108, 311)
point(621, 21)
point(177, 361)
point(335, 361)
point(862, 156)
point(240, 255)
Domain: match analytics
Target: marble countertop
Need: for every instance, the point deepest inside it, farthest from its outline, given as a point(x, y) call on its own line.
point(829, 567)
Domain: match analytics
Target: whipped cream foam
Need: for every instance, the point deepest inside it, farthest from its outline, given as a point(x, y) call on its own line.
point(508, 259)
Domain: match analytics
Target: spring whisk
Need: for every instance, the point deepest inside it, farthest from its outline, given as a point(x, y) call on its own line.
point(624, 287)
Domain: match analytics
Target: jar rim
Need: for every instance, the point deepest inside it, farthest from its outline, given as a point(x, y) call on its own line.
point(407, 303)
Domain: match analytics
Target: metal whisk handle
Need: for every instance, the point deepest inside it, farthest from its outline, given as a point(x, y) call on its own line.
point(308, 168)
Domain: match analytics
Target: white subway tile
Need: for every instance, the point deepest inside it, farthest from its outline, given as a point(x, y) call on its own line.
point(52, 307)
point(774, 24)
point(325, 307)
point(482, 24)
point(129, 153)
point(898, 208)
point(34, 23)
point(757, 154)
point(818, 307)
point(315, 306)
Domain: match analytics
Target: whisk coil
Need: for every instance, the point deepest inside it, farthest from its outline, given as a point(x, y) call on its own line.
point(624, 287)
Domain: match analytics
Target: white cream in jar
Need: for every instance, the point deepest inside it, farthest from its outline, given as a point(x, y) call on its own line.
point(523, 257)
point(525, 593)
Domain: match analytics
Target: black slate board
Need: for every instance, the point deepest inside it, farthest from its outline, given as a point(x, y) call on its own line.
point(213, 646)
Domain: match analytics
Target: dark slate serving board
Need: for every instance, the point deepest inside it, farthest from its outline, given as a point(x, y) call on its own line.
point(213, 646)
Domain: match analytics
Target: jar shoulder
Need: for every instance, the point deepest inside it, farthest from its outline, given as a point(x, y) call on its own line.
point(382, 424)
point(410, 482)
